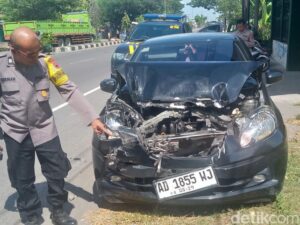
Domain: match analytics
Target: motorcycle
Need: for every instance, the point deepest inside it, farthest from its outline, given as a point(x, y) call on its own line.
point(261, 55)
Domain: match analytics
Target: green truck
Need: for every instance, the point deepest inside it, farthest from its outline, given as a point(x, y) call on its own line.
point(75, 28)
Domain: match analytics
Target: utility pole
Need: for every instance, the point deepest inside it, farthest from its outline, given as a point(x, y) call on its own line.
point(256, 11)
point(246, 10)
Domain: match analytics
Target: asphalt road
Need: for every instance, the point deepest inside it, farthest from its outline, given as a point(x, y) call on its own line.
point(86, 68)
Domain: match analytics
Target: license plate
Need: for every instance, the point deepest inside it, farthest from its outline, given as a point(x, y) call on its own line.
point(185, 183)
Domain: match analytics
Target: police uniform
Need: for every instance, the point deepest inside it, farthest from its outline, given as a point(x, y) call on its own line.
point(247, 37)
point(28, 126)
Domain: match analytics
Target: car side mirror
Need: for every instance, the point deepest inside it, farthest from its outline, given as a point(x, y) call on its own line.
point(127, 59)
point(108, 85)
point(273, 77)
point(255, 54)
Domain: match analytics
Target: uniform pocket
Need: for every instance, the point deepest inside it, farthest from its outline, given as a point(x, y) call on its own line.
point(66, 164)
point(55, 165)
point(42, 89)
point(11, 92)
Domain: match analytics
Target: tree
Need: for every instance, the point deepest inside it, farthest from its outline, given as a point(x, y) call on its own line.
point(200, 20)
point(264, 23)
point(112, 11)
point(229, 10)
point(139, 19)
point(126, 22)
point(94, 13)
point(207, 4)
point(174, 6)
point(36, 9)
point(260, 18)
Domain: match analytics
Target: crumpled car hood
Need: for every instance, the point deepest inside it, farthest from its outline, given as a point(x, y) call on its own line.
point(180, 81)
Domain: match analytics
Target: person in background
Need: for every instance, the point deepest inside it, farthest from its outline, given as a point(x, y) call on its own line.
point(190, 52)
point(244, 33)
point(29, 128)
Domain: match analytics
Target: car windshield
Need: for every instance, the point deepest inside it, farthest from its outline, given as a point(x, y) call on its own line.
point(211, 28)
point(146, 31)
point(206, 50)
point(221, 81)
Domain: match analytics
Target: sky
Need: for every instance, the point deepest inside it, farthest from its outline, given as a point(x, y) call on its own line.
point(192, 12)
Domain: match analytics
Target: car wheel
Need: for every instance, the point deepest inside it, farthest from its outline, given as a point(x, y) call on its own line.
point(61, 42)
point(68, 42)
point(92, 39)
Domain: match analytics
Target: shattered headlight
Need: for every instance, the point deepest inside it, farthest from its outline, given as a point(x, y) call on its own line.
point(114, 123)
point(260, 126)
point(113, 120)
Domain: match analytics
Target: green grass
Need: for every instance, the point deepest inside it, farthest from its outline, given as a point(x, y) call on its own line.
point(286, 204)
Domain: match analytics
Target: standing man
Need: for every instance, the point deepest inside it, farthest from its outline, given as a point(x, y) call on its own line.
point(244, 33)
point(29, 128)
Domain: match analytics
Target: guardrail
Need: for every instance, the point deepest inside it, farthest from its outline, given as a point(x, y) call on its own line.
point(85, 46)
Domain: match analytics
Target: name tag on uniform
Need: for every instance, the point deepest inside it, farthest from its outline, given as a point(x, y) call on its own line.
point(3, 79)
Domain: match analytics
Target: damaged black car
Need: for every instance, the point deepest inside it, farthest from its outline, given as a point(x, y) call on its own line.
point(192, 124)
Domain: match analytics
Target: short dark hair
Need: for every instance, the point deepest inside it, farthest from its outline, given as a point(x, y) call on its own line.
point(241, 21)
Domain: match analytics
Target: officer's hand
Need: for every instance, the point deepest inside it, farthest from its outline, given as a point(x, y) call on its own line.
point(99, 128)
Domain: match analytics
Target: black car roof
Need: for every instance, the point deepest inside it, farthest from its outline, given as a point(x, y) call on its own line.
point(190, 37)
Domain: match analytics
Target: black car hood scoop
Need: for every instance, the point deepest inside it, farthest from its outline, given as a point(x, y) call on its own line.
point(182, 81)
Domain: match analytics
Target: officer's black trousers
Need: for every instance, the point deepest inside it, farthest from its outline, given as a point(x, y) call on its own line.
point(55, 166)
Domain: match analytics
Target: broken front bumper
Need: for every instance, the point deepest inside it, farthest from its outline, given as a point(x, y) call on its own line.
point(253, 174)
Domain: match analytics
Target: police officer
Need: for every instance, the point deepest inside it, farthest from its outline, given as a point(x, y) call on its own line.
point(28, 125)
point(244, 33)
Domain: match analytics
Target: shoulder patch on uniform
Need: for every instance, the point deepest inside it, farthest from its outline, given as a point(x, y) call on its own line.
point(56, 74)
point(53, 62)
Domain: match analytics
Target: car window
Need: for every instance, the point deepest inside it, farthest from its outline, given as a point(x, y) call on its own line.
point(243, 48)
point(146, 31)
point(213, 50)
point(238, 54)
point(212, 28)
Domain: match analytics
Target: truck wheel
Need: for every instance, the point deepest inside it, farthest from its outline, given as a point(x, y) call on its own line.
point(92, 39)
point(60, 42)
point(67, 42)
